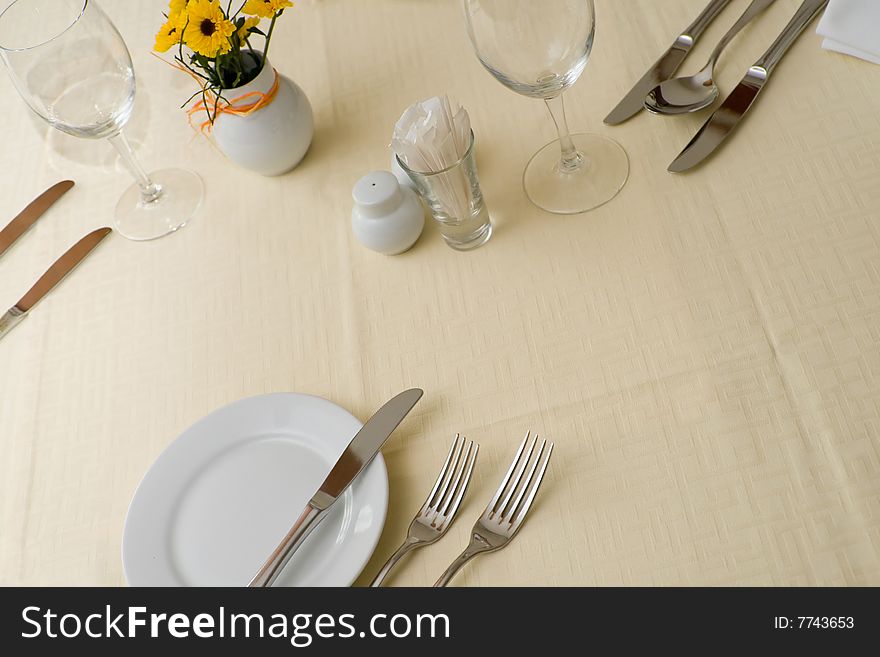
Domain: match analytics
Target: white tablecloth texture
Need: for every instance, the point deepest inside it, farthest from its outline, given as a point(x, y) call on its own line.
point(704, 350)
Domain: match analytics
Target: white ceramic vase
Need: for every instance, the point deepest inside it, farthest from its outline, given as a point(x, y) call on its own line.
point(273, 139)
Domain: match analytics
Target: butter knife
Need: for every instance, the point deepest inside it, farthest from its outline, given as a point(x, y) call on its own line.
point(28, 217)
point(62, 267)
point(734, 108)
point(666, 66)
point(360, 452)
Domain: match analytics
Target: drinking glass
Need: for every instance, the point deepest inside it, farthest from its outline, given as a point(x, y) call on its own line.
point(71, 66)
point(539, 48)
point(454, 197)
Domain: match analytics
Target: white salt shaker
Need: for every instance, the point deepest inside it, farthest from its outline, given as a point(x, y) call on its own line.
point(386, 217)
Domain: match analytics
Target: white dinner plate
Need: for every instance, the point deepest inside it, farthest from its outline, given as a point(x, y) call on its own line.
point(219, 499)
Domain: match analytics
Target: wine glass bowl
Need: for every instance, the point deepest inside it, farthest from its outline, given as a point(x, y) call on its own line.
point(83, 85)
point(539, 49)
point(71, 66)
point(531, 51)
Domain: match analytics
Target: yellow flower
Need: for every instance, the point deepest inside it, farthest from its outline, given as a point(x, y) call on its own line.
point(208, 30)
point(177, 12)
point(167, 37)
point(249, 24)
point(266, 8)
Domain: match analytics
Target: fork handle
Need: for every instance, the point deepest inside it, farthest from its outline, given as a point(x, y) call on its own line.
point(469, 553)
point(408, 546)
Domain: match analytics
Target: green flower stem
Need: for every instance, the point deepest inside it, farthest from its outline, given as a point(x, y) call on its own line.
point(269, 37)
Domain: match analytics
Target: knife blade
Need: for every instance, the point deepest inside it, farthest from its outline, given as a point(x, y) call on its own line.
point(360, 452)
point(730, 114)
point(54, 275)
point(28, 217)
point(666, 66)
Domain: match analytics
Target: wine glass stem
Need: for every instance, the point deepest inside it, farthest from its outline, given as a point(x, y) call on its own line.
point(150, 192)
point(571, 160)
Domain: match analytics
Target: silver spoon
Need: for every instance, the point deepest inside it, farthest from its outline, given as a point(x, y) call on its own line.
point(691, 94)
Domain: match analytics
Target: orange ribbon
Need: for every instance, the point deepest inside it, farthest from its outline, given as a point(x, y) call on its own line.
point(216, 105)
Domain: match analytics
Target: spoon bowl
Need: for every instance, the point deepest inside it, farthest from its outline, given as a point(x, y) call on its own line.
point(699, 91)
point(683, 95)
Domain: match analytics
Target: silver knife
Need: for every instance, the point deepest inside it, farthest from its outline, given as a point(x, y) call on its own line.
point(737, 104)
point(35, 209)
point(61, 268)
point(357, 456)
point(666, 66)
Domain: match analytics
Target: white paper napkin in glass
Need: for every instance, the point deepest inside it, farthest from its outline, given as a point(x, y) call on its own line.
point(852, 27)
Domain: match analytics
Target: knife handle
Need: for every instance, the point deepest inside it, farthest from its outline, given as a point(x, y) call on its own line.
point(10, 319)
point(804, 16)
point(303, 526)
point(705, 19)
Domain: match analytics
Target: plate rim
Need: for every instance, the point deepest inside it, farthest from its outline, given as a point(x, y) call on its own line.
point(378, 461)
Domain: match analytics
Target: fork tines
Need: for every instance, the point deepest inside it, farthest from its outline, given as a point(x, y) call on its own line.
point(438, 511)
point(451, 484)
point(504, 516)
point(517, 491)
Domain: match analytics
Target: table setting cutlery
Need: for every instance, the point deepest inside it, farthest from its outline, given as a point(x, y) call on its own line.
point(439, 510)
point(53, 276)
point(698, 91)
point(205, 511)
point(504, 515)
point(732, 111)
point(34, 210)
point(358, 455)
point(666, 66)
point(670, 96)
point(214, 504)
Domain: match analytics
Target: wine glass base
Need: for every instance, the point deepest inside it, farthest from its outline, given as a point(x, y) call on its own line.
point(182, 195)
point(603, 174)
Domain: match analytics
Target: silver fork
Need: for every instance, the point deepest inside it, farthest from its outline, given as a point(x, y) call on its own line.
point(504, 516)
point(439, 510)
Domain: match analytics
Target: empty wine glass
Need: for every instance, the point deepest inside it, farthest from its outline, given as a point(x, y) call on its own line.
point(71, 66)
point(539, 48)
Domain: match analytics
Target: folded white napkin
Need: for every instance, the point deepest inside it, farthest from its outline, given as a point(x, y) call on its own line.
point(852, 27)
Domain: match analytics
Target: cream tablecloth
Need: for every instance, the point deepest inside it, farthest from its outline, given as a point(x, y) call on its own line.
point(704, 350)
